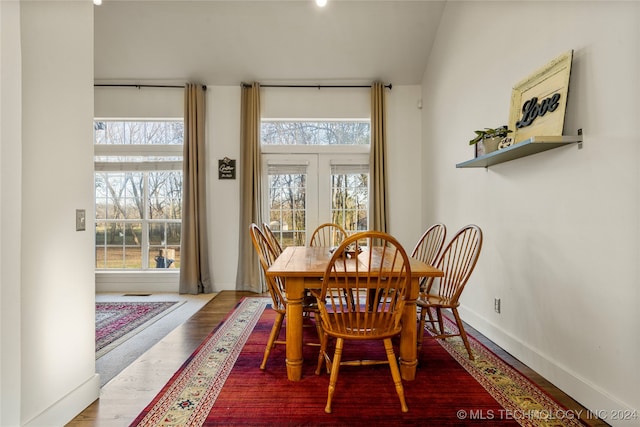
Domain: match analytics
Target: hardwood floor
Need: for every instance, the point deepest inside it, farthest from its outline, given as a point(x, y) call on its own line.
point(124, 397)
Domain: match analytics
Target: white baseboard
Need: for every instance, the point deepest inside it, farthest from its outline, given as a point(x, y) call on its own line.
point(146, 282)
point(589, 395)
point(149, 282)
point(64, 410)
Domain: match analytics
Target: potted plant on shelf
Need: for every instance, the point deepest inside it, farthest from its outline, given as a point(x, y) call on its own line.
point(487, 140)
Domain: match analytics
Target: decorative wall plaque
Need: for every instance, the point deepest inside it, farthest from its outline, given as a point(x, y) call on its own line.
point(539, 102)
point(226, 168)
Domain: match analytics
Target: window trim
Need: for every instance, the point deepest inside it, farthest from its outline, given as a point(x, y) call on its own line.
point(138, 149)
point(318, 165)
point(144, 166)
point(315, 149)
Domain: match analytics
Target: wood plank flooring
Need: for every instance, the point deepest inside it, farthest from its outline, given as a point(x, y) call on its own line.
point(124, 397)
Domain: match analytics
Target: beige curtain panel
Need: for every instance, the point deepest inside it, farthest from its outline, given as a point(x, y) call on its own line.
point(249, 277)
point(194, 253)
point(379, 213)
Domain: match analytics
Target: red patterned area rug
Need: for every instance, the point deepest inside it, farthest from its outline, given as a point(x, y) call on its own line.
point(119, 321)
point(222, 384)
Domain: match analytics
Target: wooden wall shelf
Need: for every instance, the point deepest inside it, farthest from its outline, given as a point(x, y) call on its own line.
point(533, 145)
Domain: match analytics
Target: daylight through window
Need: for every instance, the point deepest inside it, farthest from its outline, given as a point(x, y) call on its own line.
point(315, 172)
point(138, 194)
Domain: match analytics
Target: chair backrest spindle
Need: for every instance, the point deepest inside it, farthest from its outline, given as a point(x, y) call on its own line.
point(328, 234)
point(458, 261)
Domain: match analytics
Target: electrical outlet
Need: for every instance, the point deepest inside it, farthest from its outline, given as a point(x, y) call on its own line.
point(496, 305)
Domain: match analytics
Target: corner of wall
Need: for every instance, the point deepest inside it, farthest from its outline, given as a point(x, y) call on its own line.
point(69, 406)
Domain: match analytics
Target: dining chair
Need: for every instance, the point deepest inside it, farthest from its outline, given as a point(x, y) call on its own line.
point(267, 255)
point(430, 244)
point(379, 279)
point(457, 261)
point(328, 234)
point(428, 248)
point(273, 239)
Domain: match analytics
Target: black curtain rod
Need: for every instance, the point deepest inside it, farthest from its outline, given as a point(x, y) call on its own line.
point(389, 86)
point(141, 86)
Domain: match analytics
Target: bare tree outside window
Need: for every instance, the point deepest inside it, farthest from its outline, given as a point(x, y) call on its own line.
point(287, 188)
point(287, 208)
point(315, 133)
point(138, 204)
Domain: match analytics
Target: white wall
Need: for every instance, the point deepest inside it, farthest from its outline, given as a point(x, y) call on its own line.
point(223, 140)
point(223, 202)
point(404, 155)
point(561, 227)
point(57, 345)
point(10, 208)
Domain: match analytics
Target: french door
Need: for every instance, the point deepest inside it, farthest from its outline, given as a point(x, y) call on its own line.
point(302, 191)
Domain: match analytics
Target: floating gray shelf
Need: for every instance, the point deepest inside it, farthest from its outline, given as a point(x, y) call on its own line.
point(533, 145)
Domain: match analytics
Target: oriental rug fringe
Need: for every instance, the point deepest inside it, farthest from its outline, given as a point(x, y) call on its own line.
point(221, 384)
point(116, 322)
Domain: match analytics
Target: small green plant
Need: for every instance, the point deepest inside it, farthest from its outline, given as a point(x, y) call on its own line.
point(500, 132)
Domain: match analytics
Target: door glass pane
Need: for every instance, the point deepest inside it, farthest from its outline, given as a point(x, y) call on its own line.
point(287, 206)
point(350, 198)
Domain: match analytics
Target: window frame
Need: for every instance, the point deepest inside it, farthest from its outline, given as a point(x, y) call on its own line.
point(145, 167)
point(325, 155)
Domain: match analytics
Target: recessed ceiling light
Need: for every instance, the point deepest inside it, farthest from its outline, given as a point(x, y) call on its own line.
point(97, 2)
point(321, 3)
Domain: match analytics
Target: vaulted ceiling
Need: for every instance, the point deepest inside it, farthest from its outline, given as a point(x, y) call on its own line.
point(278, 42)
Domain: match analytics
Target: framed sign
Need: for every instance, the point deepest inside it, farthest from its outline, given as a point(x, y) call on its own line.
point(226, 168)
point(539, 102)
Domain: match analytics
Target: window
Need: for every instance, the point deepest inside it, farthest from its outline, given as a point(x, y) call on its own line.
point(315, 172)
point(280, 132)
point(350, 196)
point(138, 191)
point(287, 195)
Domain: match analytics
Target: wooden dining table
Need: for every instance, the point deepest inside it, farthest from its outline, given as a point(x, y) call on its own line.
point(302, 268)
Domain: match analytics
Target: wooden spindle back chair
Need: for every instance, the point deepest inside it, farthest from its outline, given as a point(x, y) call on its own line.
point(428, 249)
point(267, 255)
point(457, 261)
point(273, 239)
point(430, 244)
point(328, 234)
point(378, 279)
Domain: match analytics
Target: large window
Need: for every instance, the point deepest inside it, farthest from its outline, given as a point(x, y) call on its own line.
point(315, 172)
point(138, 191)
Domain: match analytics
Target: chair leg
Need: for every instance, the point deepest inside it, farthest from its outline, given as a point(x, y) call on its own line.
point(395, 373)
point(431, 321)
point(440, 322)
point(423, 315)
point(463, 334)
point(333, 379)
point(322, 355)
point(275, 331)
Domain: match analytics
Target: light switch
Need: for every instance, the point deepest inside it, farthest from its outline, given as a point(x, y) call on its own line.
point(80, 220)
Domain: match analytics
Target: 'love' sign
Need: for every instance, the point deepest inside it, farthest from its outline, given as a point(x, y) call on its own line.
point(539, 101)
point(532, 109)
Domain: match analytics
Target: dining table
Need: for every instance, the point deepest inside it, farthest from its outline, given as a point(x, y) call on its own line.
point(303, 267)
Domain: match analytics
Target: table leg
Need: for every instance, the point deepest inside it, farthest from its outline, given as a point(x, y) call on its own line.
point(408, 337)
point(295, 295)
